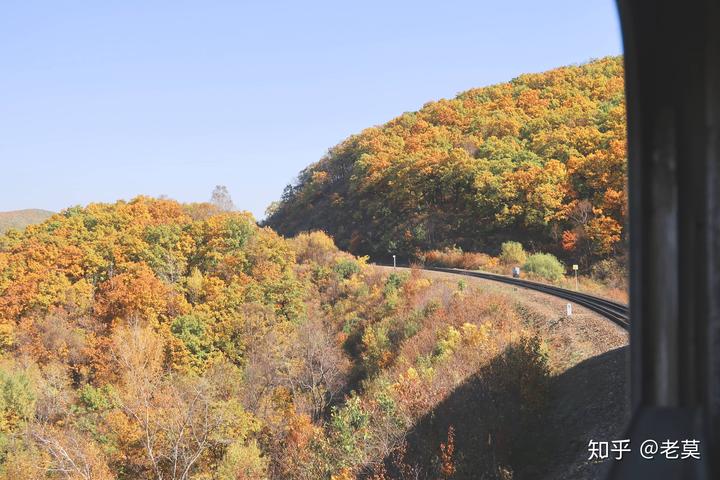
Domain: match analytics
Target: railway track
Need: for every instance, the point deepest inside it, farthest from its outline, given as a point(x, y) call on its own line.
point(614, 311)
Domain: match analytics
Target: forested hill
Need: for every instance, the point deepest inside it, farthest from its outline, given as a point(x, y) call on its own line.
point(152, 339)
point(22, 218)
point(540, 159)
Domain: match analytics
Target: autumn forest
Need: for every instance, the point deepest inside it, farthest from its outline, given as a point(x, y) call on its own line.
point(153, 339)
point(540, 159)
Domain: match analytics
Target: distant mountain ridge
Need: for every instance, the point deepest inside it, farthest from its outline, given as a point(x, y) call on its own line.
point(22, 218)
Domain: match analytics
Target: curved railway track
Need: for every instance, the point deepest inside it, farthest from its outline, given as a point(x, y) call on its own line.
point(614, 311)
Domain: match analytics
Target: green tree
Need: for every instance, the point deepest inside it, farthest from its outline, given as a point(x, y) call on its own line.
point(512, 253)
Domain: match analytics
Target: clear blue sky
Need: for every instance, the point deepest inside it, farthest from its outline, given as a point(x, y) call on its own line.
point(102, 100)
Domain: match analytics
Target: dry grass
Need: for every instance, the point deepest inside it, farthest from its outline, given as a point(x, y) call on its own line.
point(587, 285)
point(613, 288)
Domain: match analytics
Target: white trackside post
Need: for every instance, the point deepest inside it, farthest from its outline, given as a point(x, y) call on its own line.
point(575, 267)
point(394, 264)
point(569, 309)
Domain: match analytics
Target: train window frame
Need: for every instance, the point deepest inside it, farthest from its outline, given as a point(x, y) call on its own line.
point(672, 72)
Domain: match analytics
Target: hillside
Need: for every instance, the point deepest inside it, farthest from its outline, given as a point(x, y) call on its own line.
point(22, 218)
point(540, 159)
point(152, 339)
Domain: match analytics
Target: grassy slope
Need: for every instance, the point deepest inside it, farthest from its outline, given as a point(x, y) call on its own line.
point(587, 391)
point(22, 218)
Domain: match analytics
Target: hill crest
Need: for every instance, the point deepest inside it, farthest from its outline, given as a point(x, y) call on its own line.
point(540, 159)
point(20, 219)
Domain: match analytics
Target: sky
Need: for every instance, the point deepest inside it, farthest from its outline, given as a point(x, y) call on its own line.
point(106, 100)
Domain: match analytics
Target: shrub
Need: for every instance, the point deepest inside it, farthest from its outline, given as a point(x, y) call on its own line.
point(17, 399)
point(349, 424)
point(610, 272)
point(346, 268)
point(411, 328)
point(430, 308)
point(315, 246)
point(447, 343)
point(512, 253)
point(456, 258)
point(394, 282)
point(97, 399)
point(544, 265)
point(391, 291)
point(377, 348)
point(475, 335)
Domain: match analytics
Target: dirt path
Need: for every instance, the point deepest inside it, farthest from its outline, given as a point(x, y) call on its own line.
point(588, 393)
